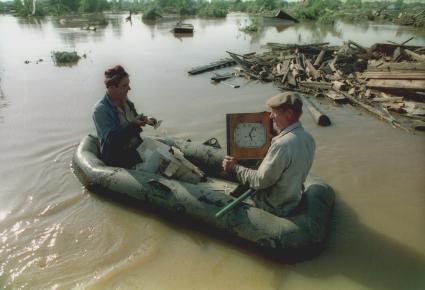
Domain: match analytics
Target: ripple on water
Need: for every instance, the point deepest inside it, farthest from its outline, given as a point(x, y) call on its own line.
point(76, 242)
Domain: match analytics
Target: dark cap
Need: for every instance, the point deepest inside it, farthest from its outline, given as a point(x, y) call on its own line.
point(286, 98)
point(114, 75)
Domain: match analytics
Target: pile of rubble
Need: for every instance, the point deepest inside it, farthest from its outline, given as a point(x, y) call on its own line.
point(382, 78)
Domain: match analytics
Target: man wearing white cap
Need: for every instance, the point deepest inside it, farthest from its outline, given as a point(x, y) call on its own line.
point(279, 179)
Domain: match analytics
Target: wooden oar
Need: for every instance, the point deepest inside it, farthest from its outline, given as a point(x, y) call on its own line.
point(234, 203)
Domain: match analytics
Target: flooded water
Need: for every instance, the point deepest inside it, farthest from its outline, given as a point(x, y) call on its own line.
point(56, 235)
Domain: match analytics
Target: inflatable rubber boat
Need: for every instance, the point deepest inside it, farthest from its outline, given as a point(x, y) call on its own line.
point(201, 198)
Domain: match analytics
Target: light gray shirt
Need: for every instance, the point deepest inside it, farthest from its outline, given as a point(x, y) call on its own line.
point(280, 177)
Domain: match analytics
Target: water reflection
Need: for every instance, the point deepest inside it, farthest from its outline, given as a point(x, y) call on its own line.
point(181, 36)
point(33, 22)
point(3, 103)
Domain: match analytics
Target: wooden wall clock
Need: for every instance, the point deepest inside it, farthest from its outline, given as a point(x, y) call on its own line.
point(249, 135)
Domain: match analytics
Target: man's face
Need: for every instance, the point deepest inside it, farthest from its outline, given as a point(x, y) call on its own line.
point(120, 92)
point(281, 117)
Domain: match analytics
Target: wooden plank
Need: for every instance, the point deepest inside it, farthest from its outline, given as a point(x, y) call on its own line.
point(419, 66)
point(417, 85)
point(388, 99)
point(393, 75)
point(283, 46)
point(212, 66)
point(316, 85)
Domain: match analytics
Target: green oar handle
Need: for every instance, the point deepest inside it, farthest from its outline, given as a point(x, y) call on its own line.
point(234, 203)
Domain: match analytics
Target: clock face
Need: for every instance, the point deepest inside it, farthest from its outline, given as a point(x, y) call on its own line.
point(250, 135)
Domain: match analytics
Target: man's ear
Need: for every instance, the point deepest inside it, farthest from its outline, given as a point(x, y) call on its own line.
point(292, 115)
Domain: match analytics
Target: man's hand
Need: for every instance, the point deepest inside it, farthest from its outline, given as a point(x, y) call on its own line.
point(229, 163)
point(141, 121)
point(151, 121)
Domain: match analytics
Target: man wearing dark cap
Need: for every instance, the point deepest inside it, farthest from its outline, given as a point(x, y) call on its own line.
point(117, 122)
point(279, 179)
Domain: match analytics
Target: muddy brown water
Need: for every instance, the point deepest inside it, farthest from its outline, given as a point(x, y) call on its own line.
point(56, 235)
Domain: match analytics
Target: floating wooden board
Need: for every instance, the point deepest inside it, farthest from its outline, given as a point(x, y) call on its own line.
point(404, 75)
point(393, 66)
point(212, 66)
point(417, 85)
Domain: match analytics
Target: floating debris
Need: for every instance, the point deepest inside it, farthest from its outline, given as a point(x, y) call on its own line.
point(183, 28)
point(281, 17)
point(387, 79)
point(212, 66)
point(65, 57)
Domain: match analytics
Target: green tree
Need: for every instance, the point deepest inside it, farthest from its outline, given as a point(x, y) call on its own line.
point(399, 4)
point(59, 7)
point(93, 5)
point(23, 7)
point(353, 3)
point(266, 5)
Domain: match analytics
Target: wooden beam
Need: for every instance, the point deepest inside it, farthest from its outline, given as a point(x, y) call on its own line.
point(417, 85)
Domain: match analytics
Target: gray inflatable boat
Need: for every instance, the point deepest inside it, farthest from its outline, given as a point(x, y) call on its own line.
point(303, 232)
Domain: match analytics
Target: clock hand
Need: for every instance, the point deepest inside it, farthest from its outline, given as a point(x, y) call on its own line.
point(250, 133)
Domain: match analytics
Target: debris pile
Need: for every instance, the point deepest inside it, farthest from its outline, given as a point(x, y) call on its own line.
point(382, 78)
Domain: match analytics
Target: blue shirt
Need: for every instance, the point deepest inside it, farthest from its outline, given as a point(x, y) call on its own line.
point(117, 146)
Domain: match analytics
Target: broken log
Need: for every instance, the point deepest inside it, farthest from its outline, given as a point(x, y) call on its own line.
point(320, 118)
point(319, 58)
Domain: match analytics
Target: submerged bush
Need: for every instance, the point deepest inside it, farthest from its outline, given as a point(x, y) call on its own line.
point(65, 57)
point(253, 27)
point(152, 14)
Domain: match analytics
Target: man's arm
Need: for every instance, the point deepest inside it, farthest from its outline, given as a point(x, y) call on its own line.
point(269, 172)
